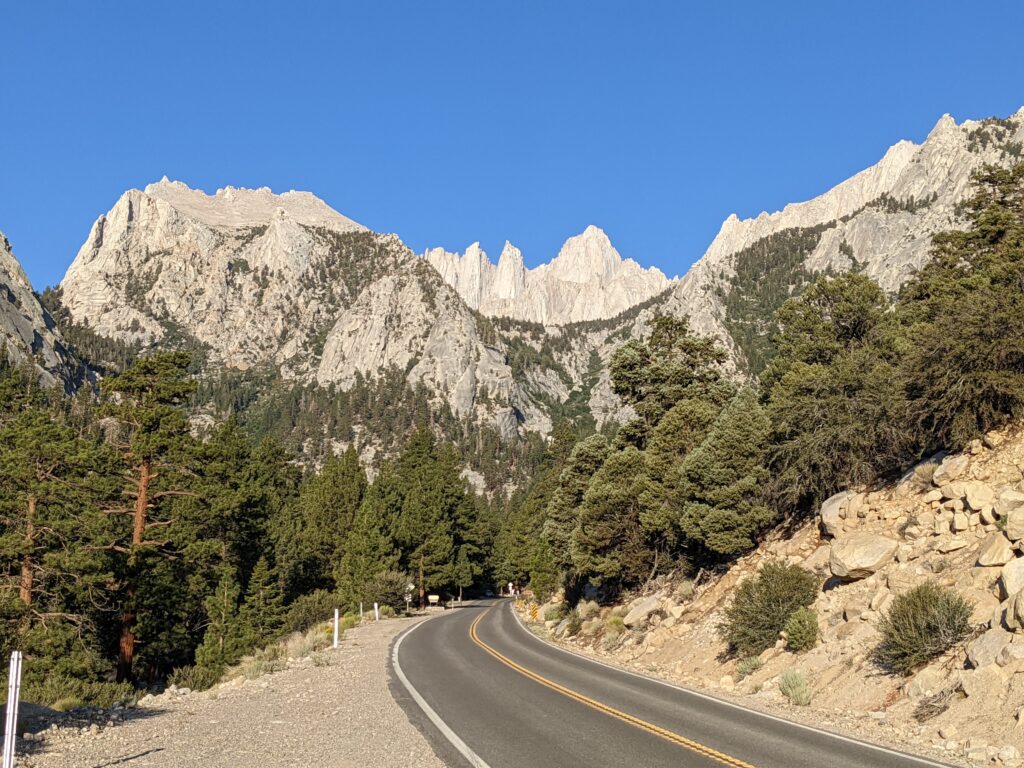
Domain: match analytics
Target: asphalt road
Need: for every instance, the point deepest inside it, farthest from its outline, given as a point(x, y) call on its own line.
point(489, 694)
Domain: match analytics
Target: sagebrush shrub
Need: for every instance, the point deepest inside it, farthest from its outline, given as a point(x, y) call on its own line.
point(310, 609)
point(575, 624)
point(793, 685)
point(748, 666)
point(70, 692)
point(198, 677)
point(802, 630)
point(921, 624)
point(554, 613)
point(763, 605)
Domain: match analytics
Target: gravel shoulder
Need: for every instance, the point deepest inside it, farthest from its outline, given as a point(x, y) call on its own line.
point(334, 713)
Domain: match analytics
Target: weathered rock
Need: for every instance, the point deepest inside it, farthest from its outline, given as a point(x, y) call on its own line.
point(1009, 499)
point(950, 469)
point(642, 611)
point(985, 649)
point(927, 682)
point(961, 522)
point(1011, 577)
point(1015, 524)
point(859, 555)
point(979, 683)
point(833, 511)
point(978, 495)
point(1011, 612)
point(995, 550)
point(951, 545)
point(1011, 655)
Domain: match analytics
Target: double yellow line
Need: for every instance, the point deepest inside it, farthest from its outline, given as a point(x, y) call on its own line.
point(625, 717)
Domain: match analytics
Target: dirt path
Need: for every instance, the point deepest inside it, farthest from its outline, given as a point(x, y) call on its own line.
point(332, 716)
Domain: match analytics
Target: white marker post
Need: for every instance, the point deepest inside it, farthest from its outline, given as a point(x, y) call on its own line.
point(335, 627)
point(360, 613)
point(376, 612)
point(13, 693)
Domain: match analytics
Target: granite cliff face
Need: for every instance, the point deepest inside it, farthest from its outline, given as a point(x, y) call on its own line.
point(26, 330)
point(282, 281)
point(880, 221)
point(587, 280)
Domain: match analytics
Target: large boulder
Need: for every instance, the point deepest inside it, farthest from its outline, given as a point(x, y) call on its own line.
point(859, 555)
point(995, 550)
point(1012, 612)
point(950, 469)
point(1011, 578)
point(1015, 524)
point(986, 649)
point(1009, 499)
point(832, 512)
point(642, 611)
point(979, 495)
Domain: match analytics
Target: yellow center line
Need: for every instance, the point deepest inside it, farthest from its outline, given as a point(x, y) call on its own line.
point(625, 717)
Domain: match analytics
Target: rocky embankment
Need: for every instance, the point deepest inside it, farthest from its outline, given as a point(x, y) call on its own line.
point(955, 520)
point(331, 709)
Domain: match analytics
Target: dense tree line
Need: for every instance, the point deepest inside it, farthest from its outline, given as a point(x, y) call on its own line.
point(857, 386)
point(130, 547)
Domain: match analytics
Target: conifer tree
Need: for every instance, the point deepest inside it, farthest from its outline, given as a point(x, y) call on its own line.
point(724, 480)
point(223, 642)
point(608, 544)
point(147, 402)
point(262, 613)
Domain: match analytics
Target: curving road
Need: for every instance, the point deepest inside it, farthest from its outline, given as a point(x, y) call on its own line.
point(489, 694)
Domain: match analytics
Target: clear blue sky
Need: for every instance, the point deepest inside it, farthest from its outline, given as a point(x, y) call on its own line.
point(452, 121)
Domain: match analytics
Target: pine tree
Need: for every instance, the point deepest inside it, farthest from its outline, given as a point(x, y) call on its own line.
point(608, 544)
point(724, 481)
point(262, 613)
point(223, 644)
point(147, 402)
point(369, 550)
point(562, 512)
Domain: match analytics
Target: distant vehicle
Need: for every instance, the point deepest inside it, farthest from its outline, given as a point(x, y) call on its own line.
point(489, 593)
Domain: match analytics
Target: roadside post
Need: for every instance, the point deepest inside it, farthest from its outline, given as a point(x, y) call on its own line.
point(409, 589)
point(376, 612)
point(335, 627)
point(13, 693)
point(533, 612)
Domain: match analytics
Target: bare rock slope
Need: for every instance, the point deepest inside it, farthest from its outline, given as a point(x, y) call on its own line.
point(26, 330)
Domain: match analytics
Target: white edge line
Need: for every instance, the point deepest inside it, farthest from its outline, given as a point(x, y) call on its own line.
point(472, 757)
point(709, 697)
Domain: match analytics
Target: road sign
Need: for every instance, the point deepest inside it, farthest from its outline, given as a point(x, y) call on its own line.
point(533, 611)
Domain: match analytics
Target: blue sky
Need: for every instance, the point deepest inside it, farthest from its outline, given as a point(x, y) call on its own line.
point(454, 121)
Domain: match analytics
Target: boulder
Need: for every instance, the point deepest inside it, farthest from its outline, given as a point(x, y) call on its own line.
point(995, 550)
point(1015, 523)
point(983, 683)
point(951, 545)
point(1009, 498)
point(950, 469)
point(1011, 612)
point(1011, 655)
point(978, 495)
point(927, 682)
point(859, 555)
point(832, 512)
point(642, 610)
point(961, 522)
point(986, 649)
point(1011, 577)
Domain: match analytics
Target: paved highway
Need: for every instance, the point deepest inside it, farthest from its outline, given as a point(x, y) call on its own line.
point(491, 695)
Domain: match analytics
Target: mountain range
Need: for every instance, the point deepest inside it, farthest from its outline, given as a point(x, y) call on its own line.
point(284, 287)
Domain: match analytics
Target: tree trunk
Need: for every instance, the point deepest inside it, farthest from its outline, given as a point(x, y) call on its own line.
point(27, 565)
point(126, 647)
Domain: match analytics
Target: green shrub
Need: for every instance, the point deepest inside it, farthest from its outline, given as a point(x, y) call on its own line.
point(763, 605)
point(387, 612)
point(685, 590)
point(615, 625)
point(575, 624)
point(922, 623)
point(793, 685)
point(198, 678)
point(308, 610)
point(748, 666)
point(554, 613)
point(388, 589)
point(68, 691)
point(802, 630)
